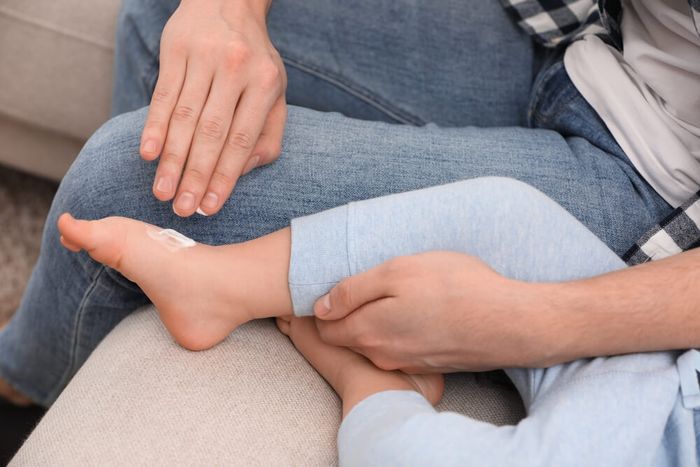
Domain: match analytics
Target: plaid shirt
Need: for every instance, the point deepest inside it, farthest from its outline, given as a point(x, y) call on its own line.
point(555, 23)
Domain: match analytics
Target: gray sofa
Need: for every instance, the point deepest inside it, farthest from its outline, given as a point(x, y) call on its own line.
point(140, 399)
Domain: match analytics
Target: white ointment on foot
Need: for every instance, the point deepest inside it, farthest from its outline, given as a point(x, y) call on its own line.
point(171, 239)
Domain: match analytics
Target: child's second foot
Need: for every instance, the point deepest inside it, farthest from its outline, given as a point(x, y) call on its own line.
point(351, 375)
point(199, 290)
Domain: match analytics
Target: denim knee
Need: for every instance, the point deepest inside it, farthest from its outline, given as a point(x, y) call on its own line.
point(108, 172)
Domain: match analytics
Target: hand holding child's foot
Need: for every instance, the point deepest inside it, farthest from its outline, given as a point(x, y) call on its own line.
point(201, 292)
point(351, 375)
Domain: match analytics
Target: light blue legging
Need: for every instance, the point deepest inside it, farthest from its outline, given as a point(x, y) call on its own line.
point(622, 410)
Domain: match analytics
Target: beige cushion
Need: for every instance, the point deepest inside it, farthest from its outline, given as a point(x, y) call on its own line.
point(35, 150)
point(253, 400)
point(55, 78)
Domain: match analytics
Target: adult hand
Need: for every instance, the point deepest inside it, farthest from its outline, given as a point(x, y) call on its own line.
point(436, 312)
point(218, 109)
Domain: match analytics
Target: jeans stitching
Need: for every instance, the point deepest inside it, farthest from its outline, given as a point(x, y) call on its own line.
point(357, 91)
point(77, 325)
point(541, 119)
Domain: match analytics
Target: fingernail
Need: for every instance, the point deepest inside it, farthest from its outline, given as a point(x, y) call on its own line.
point(201, 213)
point(149, 146)
point(253, 163)
point(185, 202)
point(210, 201)
point(164, 185)
point(326, 302)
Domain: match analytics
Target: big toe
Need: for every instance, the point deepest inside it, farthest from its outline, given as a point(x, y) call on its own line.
point(103, 239)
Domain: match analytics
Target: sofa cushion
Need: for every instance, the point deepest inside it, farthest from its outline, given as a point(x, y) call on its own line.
point(56, 57)
point(252, 400)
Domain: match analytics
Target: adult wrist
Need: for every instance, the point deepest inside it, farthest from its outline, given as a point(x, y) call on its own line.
point(258, 8)
point(546, 324)
point(525, 328)
point(568, 324)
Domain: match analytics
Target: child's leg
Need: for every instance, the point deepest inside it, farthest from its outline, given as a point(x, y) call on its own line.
point(614, 411)
point(72, 302)
point(511, 226)
point(202, 292)
point(505, 223)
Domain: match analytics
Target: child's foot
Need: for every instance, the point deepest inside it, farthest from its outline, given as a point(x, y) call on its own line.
point(201, 292)
point(9, 393)
point(351, 375)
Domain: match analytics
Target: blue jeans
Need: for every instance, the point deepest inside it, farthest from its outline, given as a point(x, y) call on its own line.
point(354, 58)
point(617, 411)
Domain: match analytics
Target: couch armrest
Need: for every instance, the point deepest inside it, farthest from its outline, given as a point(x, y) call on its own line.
point(252, 400)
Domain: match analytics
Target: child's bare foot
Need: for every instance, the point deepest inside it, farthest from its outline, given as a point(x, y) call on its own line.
point(351, 375)
point(201, 292)
point(9, 393)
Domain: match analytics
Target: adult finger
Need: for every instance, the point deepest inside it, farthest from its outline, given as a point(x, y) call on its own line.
point(208, 142)
point(353, 293)
point(170, 79)
point(248, 122)
point(269, 145)
point(181, 129)
point(352, 331)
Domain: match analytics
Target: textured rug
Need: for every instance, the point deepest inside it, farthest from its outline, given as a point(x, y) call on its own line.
point(24, 203)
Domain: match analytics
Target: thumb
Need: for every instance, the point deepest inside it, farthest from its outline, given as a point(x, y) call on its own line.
point(352, 293)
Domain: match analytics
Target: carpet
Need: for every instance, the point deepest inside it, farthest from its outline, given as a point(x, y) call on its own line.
point(24, 204)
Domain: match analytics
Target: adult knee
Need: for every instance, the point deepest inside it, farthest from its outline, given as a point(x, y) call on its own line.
point(108, 171)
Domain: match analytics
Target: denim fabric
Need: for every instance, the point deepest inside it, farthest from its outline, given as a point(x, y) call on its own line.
point(617, 411)
point(329, 159)
point(397, 61)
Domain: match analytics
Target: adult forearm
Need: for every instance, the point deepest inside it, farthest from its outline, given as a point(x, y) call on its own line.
point(260, 7)
point(650, 307)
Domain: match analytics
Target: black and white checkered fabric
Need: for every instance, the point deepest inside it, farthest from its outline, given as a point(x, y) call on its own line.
point(679, 232)
point(555, 23)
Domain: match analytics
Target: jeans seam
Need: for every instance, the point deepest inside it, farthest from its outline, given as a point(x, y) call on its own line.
point(77, 325)
point(150, 76)
point(562, 106)
point(364, 94)
point(538, 91)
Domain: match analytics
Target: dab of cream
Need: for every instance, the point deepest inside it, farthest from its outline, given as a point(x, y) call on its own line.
point(171, 239)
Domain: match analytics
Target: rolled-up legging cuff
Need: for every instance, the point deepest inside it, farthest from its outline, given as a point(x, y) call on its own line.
point(319, 257)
